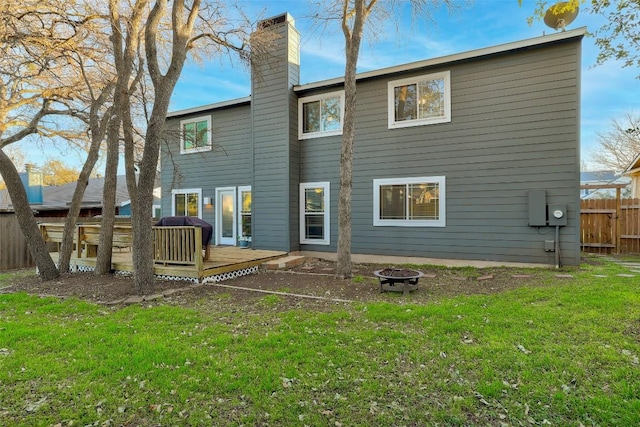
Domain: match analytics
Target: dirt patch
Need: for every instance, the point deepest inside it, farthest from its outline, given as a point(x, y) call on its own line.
point(312, 283)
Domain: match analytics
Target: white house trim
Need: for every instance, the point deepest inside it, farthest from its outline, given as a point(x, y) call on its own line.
point(208, 107)
point(521, 44)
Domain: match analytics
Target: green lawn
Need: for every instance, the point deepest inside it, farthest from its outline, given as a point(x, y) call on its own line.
point(565, 355)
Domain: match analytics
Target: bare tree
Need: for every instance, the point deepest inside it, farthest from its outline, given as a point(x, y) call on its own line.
point(354, 15)
point(618, 146)
point(36, 82)
point(68, 41)
point(17, 192)
point(126, 29)
point(147, 41)
point(169, 36)
point(97, 130)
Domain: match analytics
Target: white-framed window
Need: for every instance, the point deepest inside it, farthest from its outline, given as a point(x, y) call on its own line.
point(421, 100)
point(321, 115)
point(186, 202)
point(314, 213)
point(195, 135)
point(244, 212)
point(409, 202)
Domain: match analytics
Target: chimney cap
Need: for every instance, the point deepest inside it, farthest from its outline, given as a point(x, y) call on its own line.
point(275, 20)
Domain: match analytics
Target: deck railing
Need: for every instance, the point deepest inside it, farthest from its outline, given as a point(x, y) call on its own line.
point(171, 245)
point(88, 236)
point(178, 245)
point(53, 232)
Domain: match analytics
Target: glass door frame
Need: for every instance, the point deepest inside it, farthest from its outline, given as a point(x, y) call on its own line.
point(220, 193)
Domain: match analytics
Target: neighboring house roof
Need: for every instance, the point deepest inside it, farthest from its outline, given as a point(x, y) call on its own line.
point(600, 177)
point(634, 166)
point(492, 50)
point(596, 178)
point(59, 197)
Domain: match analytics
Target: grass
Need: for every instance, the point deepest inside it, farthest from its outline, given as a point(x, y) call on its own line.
point(6, 277)
point(564, 355)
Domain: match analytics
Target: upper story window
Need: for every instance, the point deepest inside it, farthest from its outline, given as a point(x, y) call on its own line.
point(195, 135)
point(321, 115)
point(421, 100)
point(409, 202)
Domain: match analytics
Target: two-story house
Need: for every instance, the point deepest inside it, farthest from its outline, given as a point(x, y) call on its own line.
point(453, 156)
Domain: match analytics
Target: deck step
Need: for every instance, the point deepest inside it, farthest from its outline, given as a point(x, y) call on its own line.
point(284, 262)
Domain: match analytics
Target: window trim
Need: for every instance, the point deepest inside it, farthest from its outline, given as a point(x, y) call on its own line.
point(241, 189)
point(326, 186)
point(209, 145)
point(440, 222)
point(186, 191)
point(393, 124)
point(313, 98)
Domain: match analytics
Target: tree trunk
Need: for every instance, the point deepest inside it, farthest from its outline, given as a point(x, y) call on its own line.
point(163, 85)
point(105, 245)
point(66, 249)
point(37, 246)
point(142, 215)
point(142, 206)
point(353, 37)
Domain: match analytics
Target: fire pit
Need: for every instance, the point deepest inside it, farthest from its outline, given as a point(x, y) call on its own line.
point(398, 279)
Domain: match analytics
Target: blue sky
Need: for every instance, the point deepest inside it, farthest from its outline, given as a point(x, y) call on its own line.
point(608, 91)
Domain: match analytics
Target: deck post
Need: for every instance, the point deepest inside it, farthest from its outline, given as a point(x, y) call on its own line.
point(198, 247)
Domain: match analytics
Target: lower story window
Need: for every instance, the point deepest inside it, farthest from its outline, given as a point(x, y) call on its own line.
point(314, 213)
point(244, 207)
point(186, 202)
point(409, 202)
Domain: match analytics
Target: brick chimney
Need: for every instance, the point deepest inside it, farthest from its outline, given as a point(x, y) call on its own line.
point(32, 180)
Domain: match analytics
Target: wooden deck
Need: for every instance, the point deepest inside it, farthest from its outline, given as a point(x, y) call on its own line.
point(224, 262)
point(177, 252)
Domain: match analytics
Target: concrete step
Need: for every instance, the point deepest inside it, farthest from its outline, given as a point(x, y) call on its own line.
point(284, 262)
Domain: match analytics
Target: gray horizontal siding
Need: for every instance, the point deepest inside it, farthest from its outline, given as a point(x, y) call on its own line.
point(274, 146)
point(514, 128)
point(228, 164)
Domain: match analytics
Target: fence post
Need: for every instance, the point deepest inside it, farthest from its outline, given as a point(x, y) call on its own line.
point(618, 218)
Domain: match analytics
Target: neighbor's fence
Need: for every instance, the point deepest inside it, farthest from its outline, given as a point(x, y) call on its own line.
point(610, 225)
point(14, 252)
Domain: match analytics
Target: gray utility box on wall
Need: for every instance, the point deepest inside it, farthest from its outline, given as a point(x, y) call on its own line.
point(557, 215)
point(537, 208)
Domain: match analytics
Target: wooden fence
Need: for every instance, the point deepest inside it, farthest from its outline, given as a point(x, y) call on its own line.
point(14, 252)
point(610, 225)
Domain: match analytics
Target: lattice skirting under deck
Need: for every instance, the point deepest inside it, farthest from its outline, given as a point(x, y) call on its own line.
point(230, 275)
point(210, 279)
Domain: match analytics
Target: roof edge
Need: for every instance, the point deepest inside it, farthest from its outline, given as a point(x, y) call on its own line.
point(214, 106)
point(635, 164)
point(475, 53)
